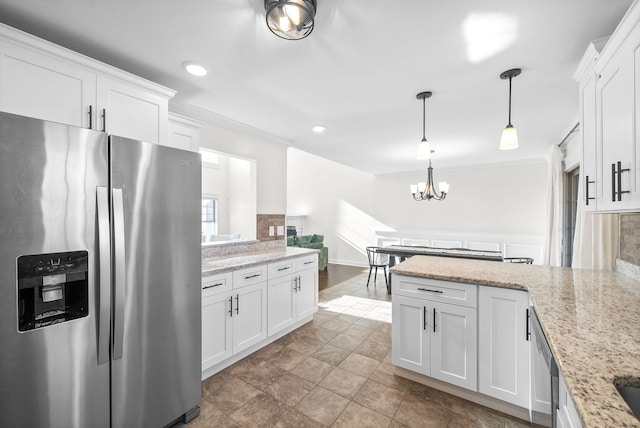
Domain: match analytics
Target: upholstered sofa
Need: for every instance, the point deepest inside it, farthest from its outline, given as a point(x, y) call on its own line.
point(311, 241)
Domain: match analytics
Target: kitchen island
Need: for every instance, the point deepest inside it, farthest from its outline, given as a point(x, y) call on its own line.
point(590, 318)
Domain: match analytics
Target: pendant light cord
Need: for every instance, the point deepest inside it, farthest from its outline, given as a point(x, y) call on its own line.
point(509, 124)
point(423, 119)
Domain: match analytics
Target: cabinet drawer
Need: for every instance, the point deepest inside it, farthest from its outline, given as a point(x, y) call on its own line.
point(277, 270)
point(307, 262)
point(248, 276)
point(215, 284)
point(438, 291)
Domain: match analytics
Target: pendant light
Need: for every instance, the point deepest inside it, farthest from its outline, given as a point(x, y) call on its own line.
point(509, 138)
point(424, 149)
point(427, 191)
point(290, 19)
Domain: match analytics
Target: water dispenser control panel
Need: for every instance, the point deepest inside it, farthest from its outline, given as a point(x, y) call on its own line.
point(52, 288)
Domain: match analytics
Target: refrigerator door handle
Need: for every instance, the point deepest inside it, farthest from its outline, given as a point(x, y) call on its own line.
point(104, 281)
point(119, 273)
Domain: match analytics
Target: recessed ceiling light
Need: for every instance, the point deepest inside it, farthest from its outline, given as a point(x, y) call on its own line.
point(195, 69)
point(318, 129)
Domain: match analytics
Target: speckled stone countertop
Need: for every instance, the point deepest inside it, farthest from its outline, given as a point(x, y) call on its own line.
point(216, 265)
point(591, 319)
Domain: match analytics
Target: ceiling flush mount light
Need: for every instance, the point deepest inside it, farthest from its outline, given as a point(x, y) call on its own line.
point(318, 129)
point(424, 150)
point(290, 19)
point(195, 69)
point(427, 191)
point(509, 138)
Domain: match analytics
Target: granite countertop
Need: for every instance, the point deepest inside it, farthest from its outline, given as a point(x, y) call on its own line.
point(216, 265)
point(591, 319)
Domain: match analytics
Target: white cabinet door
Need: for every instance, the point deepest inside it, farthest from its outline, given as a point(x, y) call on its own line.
point(589, 167)
point(410, 331)
point(503, 350)
point(249, 315)
point(282, 293)
point(184, 133)
point(614, 103)
point(131, 112)
point(454, 345)
point(216, 329)
point(307, 293)
point(39, 85)
point(567, 415)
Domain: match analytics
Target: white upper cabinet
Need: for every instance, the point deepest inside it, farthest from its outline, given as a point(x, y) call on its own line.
point(131, 112)
point(45, 81)
point(589, 170)
point(37, 84)
point(614, 127)
point(609, 92)
point(184, 133)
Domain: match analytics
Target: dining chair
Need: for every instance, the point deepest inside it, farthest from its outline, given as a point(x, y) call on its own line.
point(377, 260)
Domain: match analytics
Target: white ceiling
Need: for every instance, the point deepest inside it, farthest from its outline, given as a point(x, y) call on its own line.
point(358, 73)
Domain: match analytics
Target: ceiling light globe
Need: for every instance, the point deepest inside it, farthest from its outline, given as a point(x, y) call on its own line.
point(509, 140)
point(424, 150)
point(290, 19)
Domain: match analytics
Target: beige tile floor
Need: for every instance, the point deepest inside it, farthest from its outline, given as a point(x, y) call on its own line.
point(335, 371)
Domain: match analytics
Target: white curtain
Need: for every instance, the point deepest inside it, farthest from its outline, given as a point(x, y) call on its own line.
point(597, 237)
point(555, 198)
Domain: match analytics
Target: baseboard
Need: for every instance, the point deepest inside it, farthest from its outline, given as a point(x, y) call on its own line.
point(348, 263)
point(475, 397)
point(210, 371)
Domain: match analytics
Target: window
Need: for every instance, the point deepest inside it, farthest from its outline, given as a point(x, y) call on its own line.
point(209, 158)
point(209, 218)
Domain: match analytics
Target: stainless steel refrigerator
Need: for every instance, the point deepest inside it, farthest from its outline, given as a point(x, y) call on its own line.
point(99, 279)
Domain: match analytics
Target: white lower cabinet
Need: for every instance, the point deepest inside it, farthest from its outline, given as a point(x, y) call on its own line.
point(470, 336)
point(567, 416)
point(216, 329)
point(249, 315)
point(434, 338)
point(281, 303)
point(293, 292)
point(232, 319)
point(454, 345)
point(307, 295)
point(248, 308)
point(503, 344)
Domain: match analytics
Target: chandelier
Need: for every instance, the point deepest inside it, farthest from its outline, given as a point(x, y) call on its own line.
point(427, 191)
point(290, 19)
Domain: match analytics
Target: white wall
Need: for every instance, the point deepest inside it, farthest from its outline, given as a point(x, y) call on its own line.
point(271, 164)
point(500, 199)
point(338, 201)
point(347, 205)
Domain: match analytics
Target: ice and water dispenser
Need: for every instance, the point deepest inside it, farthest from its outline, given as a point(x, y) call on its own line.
point(52, 288)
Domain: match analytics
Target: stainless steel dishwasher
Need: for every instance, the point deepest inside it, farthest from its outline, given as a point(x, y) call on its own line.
point(544, 377)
